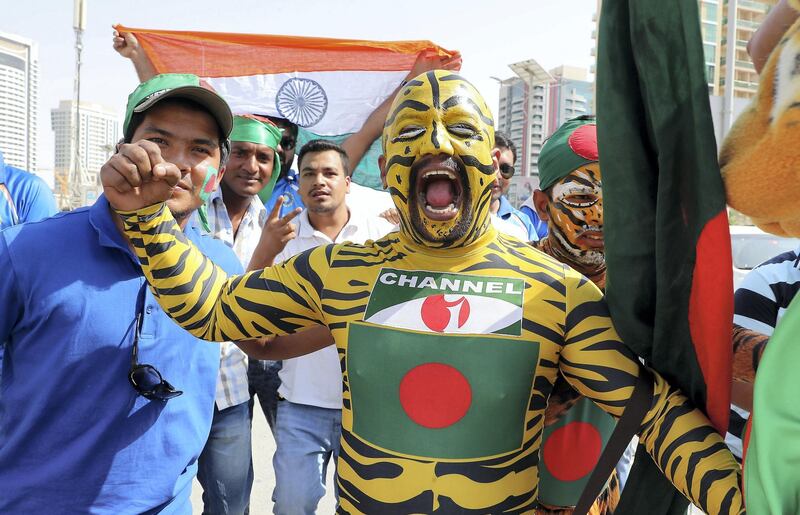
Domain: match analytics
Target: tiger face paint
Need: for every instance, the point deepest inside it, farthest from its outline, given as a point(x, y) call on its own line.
point(576, 214)
point(437, 160)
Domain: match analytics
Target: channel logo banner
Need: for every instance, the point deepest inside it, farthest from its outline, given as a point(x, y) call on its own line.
point(446, 303)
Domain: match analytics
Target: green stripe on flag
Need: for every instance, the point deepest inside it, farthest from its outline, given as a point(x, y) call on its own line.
point(661, 188)
point(367, 173)
point(481, 411)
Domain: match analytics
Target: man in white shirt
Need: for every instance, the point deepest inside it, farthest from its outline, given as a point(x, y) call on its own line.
point(309, 418)
point(234, 214)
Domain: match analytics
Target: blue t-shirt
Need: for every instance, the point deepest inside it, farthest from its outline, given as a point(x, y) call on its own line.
point(74, 435)
point(539, 225)
point(507, 212)
point(289, 188)
point(23, 197)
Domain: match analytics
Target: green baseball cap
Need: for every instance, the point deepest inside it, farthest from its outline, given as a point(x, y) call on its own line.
point(178, 85)
point(571, 146)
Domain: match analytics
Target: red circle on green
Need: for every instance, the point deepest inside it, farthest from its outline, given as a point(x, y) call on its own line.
point(572, 451)
point(583, 141)
point(435, 395)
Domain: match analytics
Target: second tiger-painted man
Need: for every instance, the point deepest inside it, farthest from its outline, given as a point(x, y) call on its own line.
point(450, 335)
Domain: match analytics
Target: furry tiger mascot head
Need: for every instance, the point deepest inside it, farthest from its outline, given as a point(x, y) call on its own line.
point(760, 157)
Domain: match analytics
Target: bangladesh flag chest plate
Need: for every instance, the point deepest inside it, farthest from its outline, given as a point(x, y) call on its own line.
point(434, 371)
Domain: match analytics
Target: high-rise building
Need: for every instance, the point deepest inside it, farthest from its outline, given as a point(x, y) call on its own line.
point(535, 103)
point(570, 95)
point(710, 30)
point(739, 21)
point(726, 27)
point(99, 133)
point(19, 100)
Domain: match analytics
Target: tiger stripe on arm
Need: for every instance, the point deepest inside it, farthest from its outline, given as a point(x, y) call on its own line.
point(748, 347)
point(208, 303)
point(679, 438)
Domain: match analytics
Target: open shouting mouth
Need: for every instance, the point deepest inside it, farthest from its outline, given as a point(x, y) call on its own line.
point(440, 190)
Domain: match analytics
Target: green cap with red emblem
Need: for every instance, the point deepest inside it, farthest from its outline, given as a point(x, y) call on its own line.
point(573, 145)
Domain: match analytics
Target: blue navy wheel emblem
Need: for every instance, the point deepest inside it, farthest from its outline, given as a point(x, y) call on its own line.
point(302, 101)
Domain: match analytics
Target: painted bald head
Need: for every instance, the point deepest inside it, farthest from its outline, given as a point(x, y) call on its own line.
point(437, 159)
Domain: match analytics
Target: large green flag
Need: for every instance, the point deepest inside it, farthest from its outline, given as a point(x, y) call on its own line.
point(773, 452)
point(669, 283)
point(452, 405)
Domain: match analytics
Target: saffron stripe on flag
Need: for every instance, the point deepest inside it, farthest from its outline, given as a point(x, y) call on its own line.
point(220, 54)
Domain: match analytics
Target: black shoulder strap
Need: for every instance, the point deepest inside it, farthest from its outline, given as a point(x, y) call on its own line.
point(627, 426)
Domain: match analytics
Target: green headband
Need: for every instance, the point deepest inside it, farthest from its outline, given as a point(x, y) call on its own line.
point(253, 131)
point(573, 145)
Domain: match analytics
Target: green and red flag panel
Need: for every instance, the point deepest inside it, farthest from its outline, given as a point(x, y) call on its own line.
point(569, 453)
point(669, 285)
point(444, 396)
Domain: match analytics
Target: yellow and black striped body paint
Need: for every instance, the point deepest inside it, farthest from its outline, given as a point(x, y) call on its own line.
point(450, 337)
point(563, 324)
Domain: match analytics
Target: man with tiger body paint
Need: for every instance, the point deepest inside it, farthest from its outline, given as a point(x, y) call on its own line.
point(450, 335)
point(570, 201)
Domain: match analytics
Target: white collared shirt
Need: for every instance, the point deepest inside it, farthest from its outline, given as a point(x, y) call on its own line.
point(368, 200)
point(316, 379)
point(232, 386)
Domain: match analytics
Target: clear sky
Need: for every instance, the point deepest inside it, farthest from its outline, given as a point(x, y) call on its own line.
point(489, 34)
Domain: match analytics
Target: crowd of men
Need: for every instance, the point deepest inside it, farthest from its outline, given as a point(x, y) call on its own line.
point(111, 402)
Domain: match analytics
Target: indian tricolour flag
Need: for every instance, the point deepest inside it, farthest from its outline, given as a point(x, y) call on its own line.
point(328, 87)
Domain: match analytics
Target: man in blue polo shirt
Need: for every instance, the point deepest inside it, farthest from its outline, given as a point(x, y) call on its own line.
point(105, 403)
point(23, 197)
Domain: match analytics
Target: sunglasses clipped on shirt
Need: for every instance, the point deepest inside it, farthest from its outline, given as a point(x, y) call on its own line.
point(507, 170)
point(146, 379)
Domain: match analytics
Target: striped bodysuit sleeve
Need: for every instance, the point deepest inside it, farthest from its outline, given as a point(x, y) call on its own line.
point(205, 301)
point(680, 439)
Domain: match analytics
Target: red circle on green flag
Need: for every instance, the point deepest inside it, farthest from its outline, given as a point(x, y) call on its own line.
point(435, 395)
point(572, 451)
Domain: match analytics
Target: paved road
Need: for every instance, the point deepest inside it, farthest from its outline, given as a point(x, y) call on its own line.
point(261, 497)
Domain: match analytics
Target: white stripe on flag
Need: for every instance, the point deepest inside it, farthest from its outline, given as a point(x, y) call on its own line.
point(326, 103)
